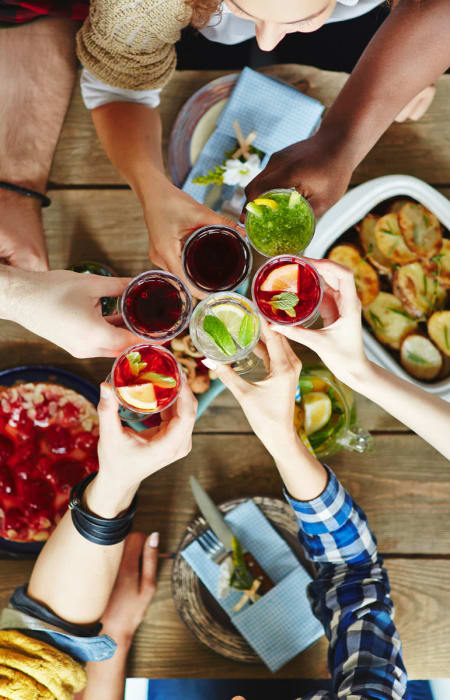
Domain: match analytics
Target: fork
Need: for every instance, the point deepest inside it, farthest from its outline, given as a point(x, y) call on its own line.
point(213, 547)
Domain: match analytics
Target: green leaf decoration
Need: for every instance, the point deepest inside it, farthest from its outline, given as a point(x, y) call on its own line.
point(286, 301)
point(219, 333)
point(135, 363)
point(241, 577)
point(246, 331)
point(376, 320)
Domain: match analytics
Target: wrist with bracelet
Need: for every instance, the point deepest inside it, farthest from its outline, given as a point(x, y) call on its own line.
point(26, 192)
point(102, 531)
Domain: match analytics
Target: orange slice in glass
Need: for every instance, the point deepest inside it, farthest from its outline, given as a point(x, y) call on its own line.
point(139, 396)
point(282, 279)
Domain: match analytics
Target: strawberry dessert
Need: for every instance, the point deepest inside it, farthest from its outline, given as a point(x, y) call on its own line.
point(48, 443)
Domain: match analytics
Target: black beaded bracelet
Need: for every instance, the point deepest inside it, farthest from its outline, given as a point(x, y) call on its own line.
point(99, 530)
point(45, 201)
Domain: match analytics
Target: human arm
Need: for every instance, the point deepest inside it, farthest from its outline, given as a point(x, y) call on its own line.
point(74, 577)
point(350, 595)
point(64, 307)
point(131, 136)
point(408, 53)
point(132, 593)
point(339, 344)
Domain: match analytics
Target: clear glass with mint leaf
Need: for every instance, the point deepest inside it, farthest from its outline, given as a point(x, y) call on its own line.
point(288, 291)
point(225, 327)
point(279, 222)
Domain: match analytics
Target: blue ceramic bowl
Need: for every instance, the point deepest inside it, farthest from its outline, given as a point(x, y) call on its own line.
point(43, 373)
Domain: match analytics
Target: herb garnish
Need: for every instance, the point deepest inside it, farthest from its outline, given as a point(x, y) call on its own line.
point(376, 320)
point(417, 359)
point(286, 301)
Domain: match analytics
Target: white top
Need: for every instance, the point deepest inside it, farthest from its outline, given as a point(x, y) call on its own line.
point(227, 28)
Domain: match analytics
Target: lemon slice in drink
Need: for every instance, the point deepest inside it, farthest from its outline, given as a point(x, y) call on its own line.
point(231, 316)
point(266, 202)
point(317, 407)
point(139, 396)
point(282, 279)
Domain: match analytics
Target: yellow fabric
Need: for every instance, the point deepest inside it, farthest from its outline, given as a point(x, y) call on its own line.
point(34, 670)
point(130, 45)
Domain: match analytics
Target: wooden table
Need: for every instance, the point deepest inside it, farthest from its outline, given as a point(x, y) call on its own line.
point(404, 487)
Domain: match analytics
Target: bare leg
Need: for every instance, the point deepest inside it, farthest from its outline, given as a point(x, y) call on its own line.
point(37, 72)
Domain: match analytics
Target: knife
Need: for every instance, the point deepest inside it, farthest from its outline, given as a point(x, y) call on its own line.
point(216, 521)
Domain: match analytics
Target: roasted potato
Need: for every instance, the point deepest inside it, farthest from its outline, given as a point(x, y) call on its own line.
point(439, 264)
point(420, 357)
point(395, 207)
point(366, 278)
point(390, 241)
point(421, 230)
point(346, 255)
point(439, 330)
point(366, 230)
point(389, 320)
point(419, 293)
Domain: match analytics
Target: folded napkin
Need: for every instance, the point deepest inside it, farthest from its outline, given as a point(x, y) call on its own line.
point(280, 114)
point(280, 624)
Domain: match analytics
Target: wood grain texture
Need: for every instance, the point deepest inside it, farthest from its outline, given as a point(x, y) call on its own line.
point(417, 148)
point(165, 648)
point(403, 486)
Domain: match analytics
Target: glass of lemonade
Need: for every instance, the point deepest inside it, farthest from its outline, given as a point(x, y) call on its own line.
point(325, 414)
point(216, 259)
point(225, 327)
point(288, 290)
point(146, 380)
point(280, 222)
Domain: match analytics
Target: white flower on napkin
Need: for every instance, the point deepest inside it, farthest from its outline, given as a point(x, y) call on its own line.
point(239, 173)
point(225, 573)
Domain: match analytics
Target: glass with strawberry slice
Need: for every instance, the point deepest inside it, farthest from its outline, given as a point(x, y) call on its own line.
point(288, 290)
point(146, 380)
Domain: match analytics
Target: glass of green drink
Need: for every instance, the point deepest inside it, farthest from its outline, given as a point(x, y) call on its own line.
point(280, 222)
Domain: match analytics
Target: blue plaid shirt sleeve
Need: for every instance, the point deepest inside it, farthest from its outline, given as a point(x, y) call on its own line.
point(350, 596)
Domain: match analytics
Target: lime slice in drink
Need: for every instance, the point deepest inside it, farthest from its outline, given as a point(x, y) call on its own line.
point(254, 209)
point(294, 199)
point(317, 407)
point(160, 380)
point(219, 333)
point(232, 316)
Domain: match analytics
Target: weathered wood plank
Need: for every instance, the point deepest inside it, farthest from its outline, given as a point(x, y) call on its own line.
point(417, 148)
point(164, 647)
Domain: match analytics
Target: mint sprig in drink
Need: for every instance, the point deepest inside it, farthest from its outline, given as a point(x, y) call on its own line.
point(280, 222)
point(225, 327)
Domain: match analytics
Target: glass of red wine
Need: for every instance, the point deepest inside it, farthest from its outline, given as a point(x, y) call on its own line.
point(156, 306)
point(288, 290)
point(216, 259)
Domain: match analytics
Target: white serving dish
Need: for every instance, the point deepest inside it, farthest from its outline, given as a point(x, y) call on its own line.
point(350, 210)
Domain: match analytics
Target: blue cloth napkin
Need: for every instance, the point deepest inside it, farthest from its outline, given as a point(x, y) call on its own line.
point(279, 113)
point(280, 624)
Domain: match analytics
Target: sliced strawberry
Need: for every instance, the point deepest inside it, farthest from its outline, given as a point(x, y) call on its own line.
point(6, 449)
point(37, 494)
point(15, 519)
point(58, 439)
point(67, 473)
point(45, 465)
point(90, 465)
point(6, 481)
point(26, 429)
point(24, 471)
point(26, 453)
point(86, 441)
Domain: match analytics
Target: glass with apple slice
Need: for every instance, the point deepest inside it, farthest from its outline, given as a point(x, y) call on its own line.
point(146, 380)
point(288, 291)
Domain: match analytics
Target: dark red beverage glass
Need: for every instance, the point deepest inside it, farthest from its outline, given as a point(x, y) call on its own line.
point(216, 259)
point(156, 305)
point(151, 364)
point(288, 274)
